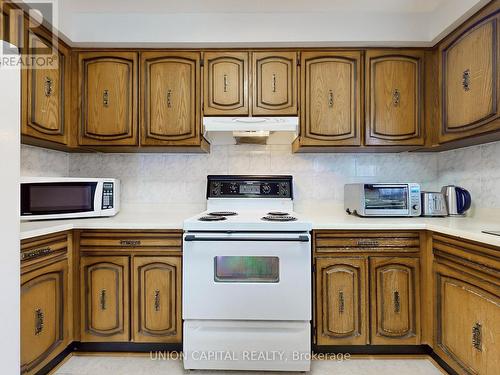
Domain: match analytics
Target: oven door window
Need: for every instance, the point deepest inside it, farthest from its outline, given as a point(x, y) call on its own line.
point(386, 197)
point(246, 269)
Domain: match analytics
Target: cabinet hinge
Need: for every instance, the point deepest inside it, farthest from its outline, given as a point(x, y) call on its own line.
point(202, 63)
point(313, 268)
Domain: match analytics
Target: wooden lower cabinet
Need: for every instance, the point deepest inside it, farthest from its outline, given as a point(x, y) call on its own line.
point(468, 322)
point(44, 315)
point(341, 301)
point(105, 298)
point(157, 299)
point(394, 295)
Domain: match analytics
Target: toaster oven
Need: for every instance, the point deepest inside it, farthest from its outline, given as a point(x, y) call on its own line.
point(398, 199)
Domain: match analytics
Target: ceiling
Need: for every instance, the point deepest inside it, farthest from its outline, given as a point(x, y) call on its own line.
point(261, 22)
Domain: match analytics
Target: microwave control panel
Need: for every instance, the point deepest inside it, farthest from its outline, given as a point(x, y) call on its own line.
point(107, 195)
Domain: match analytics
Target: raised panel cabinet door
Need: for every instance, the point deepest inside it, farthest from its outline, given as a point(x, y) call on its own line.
point(341, 301)
point(44, 90)
point(225, 83)
point(43, 315)
point(108, 98)
point(395, 317)
point(274, 82)
point(468, 322)
point(105, 302)
point(157, 299)
point(470, 81)
point(170, 85)
point(331, 91)
point(394, 98)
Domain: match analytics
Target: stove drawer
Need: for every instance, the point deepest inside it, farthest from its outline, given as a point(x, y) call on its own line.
point(359, 241)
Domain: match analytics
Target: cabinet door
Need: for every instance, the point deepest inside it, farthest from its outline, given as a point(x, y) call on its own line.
point(225, 83)
point(108, 98)
point(469, 81)
point(105, 302)
point(44, 90)
point(394, 98)
point(157, 299)
point(43, 315)
point(170, 100)
point(468, 322)
point(395, 301)
point(331, 89)
point(341, 301)
point(274, 82)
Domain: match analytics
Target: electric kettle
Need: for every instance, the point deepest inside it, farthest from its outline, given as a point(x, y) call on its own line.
point(458, 200)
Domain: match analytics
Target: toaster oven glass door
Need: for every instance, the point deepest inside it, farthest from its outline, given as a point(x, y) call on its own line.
point(386, 197)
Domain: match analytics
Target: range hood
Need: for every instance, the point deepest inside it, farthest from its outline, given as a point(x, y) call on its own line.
point(254, 130)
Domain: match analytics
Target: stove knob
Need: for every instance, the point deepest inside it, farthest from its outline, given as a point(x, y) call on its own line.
point(266, 189)
point(233, 188)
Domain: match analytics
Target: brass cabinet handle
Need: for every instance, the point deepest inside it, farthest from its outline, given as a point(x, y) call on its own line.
point(397, 301)
point(367, 243)
point(105, 98)
point(47, 86)
point(39, 316)
point(226, 83)
point(157, 300)
point(274, 82)
point(396, 97)
point(169, 98)
point(341, 302)
point(330, 98)
point(102, 299)
point(35, 253)
point(477, 336)
point(130, 243)
point(466, 80)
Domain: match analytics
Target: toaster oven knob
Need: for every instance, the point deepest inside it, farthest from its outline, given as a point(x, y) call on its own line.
point(415, 207)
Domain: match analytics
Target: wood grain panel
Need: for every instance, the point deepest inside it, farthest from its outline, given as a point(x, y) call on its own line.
point(341, 301)
point(157, 299)
point(274, 83)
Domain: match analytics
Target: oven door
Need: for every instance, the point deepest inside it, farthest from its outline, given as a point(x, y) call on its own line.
point(386, 199)
point(247, 276)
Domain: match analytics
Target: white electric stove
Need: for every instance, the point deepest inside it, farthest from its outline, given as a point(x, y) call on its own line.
point(247, 278)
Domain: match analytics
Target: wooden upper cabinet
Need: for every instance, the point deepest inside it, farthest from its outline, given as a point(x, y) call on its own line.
point(170, 100)
point(341, 301)
point(108, 98)
point(45, 114)
point(394, 97)
point(43, 315)
point(330, 92)
point(395, 316)
point(274, 82)
point(157, 299)
point(470, 79)
point(225, 83)
point(104, 298)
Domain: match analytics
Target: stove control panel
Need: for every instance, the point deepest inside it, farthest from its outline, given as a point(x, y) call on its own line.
point(249, 187)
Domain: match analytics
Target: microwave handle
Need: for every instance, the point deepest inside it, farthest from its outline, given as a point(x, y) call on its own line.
point(191, 237)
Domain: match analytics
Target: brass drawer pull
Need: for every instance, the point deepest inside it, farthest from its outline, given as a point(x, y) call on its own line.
point(397, 302)
point(330, 98)
point(47, 86)
point(35, 253)
point(39, 316)
point(169, 98)
point(157, 300)
point(396, 97)
point(130, 243)
point(341, 302)
point(226, 83)
point(105, 98)
point(477, 336)
point(466, 80)
point(102, 299)
point(368, 243)
point(274, 82)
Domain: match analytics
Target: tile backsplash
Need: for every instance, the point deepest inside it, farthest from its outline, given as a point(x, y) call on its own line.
point(181, 178)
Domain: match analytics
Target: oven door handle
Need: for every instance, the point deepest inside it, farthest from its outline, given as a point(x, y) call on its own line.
point(191, 237)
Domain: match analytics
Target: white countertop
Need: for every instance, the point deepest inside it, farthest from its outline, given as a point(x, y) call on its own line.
point(322, 217)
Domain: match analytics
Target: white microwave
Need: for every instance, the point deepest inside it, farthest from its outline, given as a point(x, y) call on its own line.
point(383, 199)
point(66, 197)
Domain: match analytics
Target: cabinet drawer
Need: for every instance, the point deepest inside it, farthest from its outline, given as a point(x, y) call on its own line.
point(35, 251)
point(125, 240)
point(346, 242)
